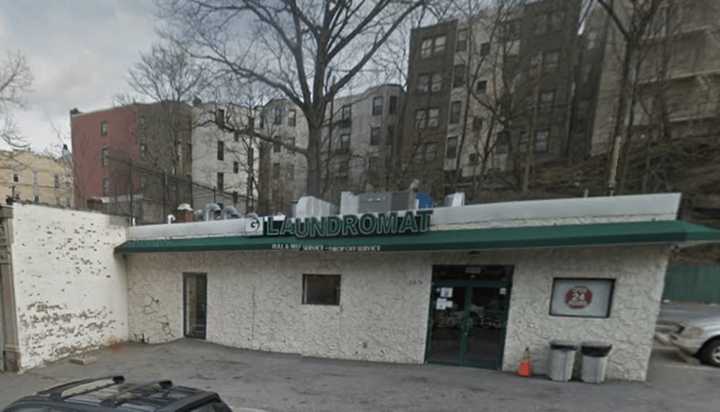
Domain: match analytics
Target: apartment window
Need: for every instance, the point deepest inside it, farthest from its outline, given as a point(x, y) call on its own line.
point(557, 19)
point(321, 290)
point(106, 186)
point(346, 112)
point(551, 60)
point(103, 128)
point(56, 181)
point(374, 164)
point(143, 182)
point(104, 157)
point(535, 62)
point(236, 167)
point(220, 117)
point(473, 158)
point(277, 115)
point(541, 141)
point(430, 152)
point(437, 80)
point(426, 48)
point(462, 40)
point(377, 106)
point(290, 172)
point(292, 117)
point(421, 119)
point(220, 150)
point(220, 182)
point(344, 142)
point(343, 171)
point(439, 45)
point(390, 135)
point(36, 199)
point(511, 30)
point(523, 142)
point(485, 49)
point(502, 143)
point(433, 117)
point(481, 86)
point(392, 106)
point(262, 121)
point(375, 136)
point(452, 147)
point(459, 75)
point(541, 22)
point(277, 147)
point(236, 135)
point(455, 109)
point(423, 83)
point(276, 171)
point(477, 123)
point(547, 100)
point(16, 178)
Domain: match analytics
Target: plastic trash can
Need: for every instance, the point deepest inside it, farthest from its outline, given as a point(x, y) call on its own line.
point(562, 360)
point(594, 361)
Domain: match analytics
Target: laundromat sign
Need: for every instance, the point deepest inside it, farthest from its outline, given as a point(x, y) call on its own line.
point(368, 224)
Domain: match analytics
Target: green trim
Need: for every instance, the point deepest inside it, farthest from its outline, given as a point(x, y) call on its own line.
point(599, 234)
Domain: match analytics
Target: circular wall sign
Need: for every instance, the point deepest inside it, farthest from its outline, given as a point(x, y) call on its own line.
point(578, 297)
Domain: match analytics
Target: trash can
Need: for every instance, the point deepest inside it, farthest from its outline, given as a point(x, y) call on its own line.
point(594, 361)
point(562, 360)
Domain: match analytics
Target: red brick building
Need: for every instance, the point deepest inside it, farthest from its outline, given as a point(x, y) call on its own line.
point(142, 143)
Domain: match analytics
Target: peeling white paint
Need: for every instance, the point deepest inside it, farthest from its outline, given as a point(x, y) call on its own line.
point(70, 289)
point(254, 302)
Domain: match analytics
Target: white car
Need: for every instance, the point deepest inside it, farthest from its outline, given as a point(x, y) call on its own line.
point(699, 337)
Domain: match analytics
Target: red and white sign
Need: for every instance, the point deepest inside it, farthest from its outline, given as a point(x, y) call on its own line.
point(578, 297)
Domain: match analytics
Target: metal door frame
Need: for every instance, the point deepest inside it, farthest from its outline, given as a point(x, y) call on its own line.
point(469, 285)
point(186, 277)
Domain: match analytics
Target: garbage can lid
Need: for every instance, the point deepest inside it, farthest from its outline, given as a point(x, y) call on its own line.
point(595, 349)
point(563, 344)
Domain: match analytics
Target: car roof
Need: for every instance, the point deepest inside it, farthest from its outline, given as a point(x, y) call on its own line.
point(114, 394)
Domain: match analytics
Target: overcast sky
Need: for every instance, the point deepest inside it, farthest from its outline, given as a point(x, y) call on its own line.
point(79, 52)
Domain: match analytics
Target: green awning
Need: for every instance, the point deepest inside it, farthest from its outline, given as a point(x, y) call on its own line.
point(630, 233)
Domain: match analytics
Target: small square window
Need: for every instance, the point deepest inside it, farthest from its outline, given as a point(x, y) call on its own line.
point(484, 49)
point(321, 290)
point(473, 158)
point(477, 123)
point(481, 86)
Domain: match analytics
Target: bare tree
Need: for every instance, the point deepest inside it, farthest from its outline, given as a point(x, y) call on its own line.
point(15, 81)
point(293, 47)
point(633, 20)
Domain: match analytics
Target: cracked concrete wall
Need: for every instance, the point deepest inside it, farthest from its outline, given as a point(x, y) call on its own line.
point(254, 302)
point(71, 291)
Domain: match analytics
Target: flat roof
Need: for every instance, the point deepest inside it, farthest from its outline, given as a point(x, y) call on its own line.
point(577, 235)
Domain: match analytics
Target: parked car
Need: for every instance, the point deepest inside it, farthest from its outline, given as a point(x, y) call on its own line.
point(699, 337)
point(114, 394)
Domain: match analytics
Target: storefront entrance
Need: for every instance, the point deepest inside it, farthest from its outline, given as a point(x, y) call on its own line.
point(195, 304)
point(468, 315)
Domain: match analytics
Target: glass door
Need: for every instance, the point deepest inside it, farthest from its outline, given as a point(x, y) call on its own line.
point(447, 324)
point(467, 323)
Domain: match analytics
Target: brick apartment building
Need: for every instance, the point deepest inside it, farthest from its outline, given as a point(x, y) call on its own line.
point(143, 150)
point(481, 91)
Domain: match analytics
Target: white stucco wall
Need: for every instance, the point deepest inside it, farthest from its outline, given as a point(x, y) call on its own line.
point(70, 290)
point(254, 302)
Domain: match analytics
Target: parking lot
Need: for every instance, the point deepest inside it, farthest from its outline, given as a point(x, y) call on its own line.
point(276, 382)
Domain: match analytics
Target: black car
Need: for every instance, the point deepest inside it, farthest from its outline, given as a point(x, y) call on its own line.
point(114, 394)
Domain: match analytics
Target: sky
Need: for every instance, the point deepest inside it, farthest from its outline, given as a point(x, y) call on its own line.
point(79, 52)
